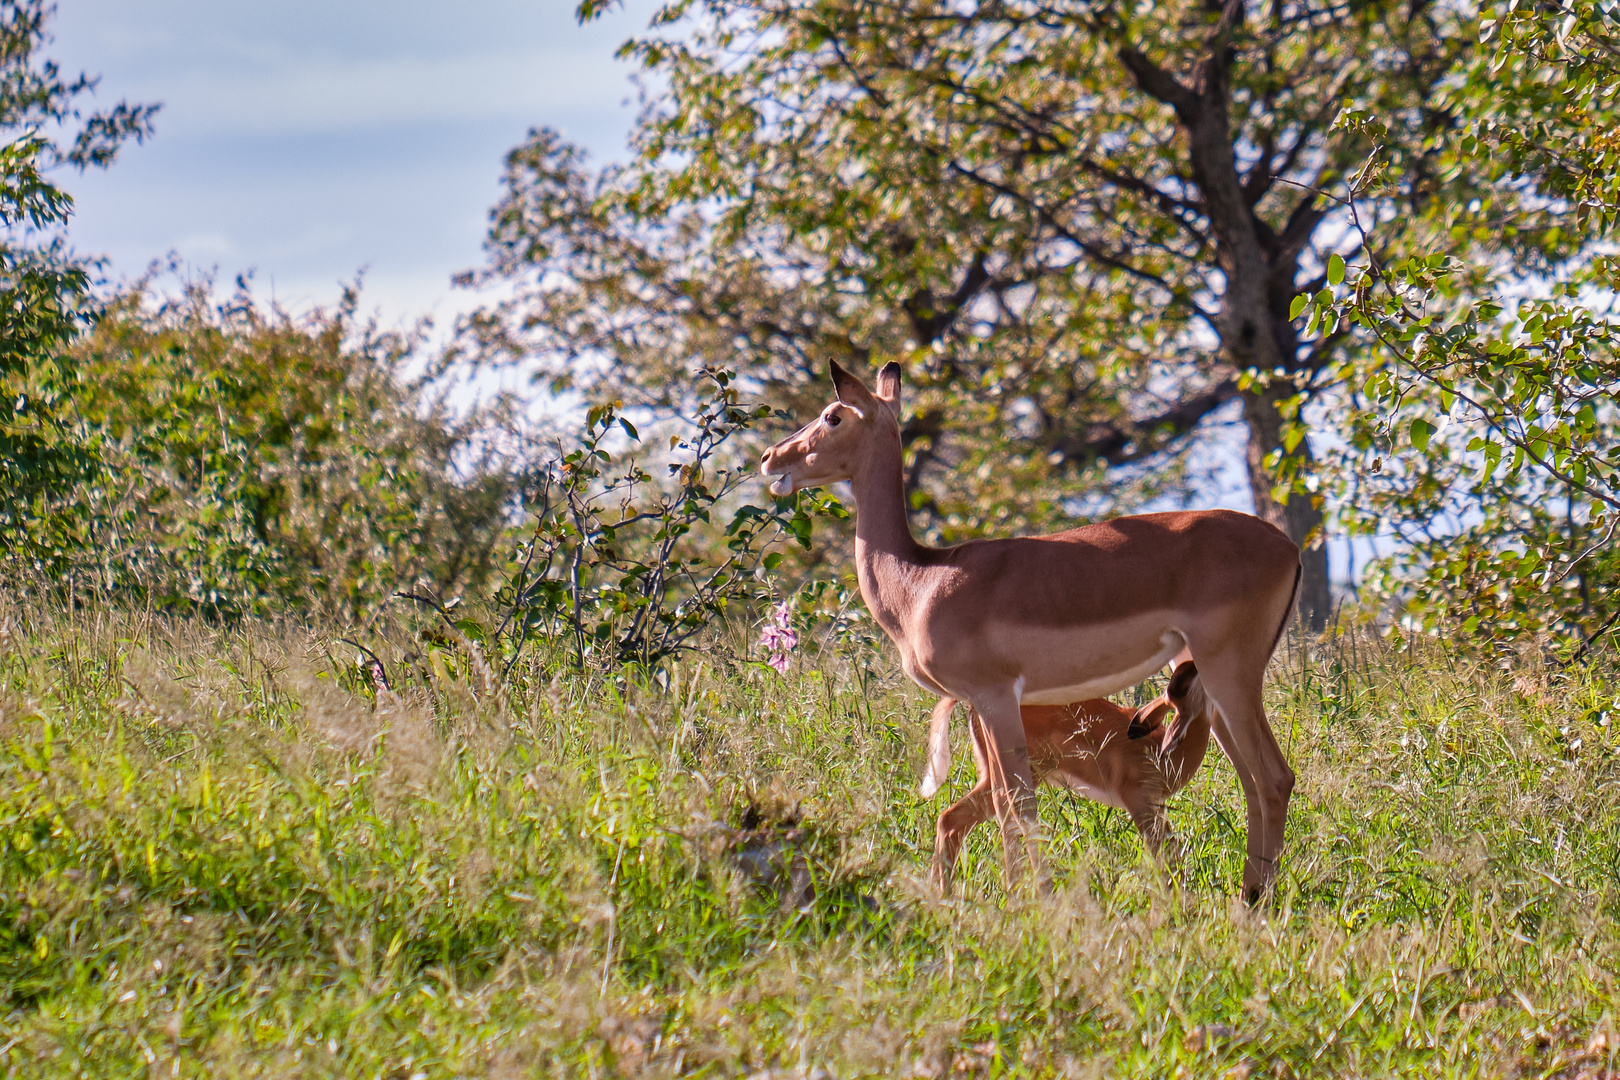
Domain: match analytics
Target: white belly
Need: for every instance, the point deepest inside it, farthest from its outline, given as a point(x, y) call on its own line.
point(1103, 684)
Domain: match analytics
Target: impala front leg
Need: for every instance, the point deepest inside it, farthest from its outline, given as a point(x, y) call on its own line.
point(961, 816)
point(1013, 784)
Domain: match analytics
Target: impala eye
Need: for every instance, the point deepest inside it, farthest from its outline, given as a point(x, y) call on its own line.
point(834, 420)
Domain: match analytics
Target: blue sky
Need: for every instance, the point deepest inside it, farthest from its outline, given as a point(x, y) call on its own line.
point(306, 139)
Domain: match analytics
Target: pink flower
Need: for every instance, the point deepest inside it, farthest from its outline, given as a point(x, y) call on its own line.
point(778, 638)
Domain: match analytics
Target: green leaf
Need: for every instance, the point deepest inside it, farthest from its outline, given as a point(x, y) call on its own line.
point(1298, 305)
point(1421, 431)
point(1335, 268)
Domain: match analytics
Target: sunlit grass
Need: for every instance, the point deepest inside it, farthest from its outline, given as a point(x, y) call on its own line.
point(222, 853)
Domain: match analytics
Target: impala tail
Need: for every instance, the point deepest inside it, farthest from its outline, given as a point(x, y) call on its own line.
point(939, 748)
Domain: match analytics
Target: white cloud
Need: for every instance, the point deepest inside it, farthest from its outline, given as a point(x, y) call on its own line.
point(331, 95)
point(304, 139)
point(315, 66)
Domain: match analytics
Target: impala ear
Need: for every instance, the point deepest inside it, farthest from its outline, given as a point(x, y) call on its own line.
point(888, 386)
point(1181, 680)
point(1186, 694)
point(1147, 719)
point(850, 390)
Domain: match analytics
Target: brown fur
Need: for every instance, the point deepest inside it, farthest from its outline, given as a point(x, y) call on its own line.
point(1073, 616)
point(1088, 746)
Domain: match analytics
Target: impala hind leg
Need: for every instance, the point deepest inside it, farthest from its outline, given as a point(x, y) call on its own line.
point(1012, 777)
point(1244, 733)
point(1255, 878)
point(961, 816)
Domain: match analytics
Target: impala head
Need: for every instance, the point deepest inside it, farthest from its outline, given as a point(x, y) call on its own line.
point(835, 445)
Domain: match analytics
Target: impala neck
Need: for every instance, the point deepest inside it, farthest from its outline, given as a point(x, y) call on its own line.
point(881, 526)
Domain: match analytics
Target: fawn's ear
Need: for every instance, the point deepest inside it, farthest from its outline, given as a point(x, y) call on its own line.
point(888, 386)
point(850, 390)
point(1186, 694)
point(1147, 719)
point(1181, 679)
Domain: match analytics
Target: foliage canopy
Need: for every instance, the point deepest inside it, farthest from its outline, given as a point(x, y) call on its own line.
point(1488, 439)
point(45, 297)
point(1081, 228)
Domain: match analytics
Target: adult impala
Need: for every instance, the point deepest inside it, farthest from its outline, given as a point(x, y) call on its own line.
point(1061, 618)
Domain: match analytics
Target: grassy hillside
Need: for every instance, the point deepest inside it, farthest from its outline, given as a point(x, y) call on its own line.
point(224, 854)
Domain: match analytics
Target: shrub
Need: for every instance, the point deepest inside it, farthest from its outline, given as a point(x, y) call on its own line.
point(242, 459)
point(623, 565)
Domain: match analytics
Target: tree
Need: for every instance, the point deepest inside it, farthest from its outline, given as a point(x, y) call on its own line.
point(1488, 436)
point(1080, 227)
point(44, 291)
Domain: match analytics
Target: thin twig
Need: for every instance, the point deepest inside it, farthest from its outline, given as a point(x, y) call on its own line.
point(382, 669)
point(1589, 552)
point(1591, 638)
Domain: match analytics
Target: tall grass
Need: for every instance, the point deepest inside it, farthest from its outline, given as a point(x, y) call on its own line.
point(228, 853)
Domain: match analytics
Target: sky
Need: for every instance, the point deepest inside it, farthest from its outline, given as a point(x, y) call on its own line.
point(306, 140)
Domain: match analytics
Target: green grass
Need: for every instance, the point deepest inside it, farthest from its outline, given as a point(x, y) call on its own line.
point(222, 855)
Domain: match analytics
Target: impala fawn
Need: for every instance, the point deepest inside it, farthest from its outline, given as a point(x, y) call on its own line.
point(1096, 748)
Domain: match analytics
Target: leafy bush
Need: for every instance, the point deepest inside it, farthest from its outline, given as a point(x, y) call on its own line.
point(241, 459)
point(1484, 433)
point(626, 566)
point(45, 296)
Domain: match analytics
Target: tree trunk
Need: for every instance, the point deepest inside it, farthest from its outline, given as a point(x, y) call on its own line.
point(1299, 517)
point(1256, 333)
